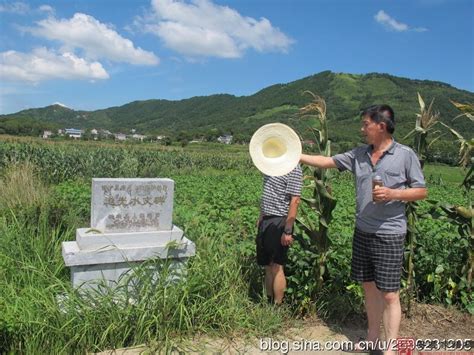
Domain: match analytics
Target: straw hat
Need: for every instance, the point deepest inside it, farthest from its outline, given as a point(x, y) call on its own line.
point(275, 149)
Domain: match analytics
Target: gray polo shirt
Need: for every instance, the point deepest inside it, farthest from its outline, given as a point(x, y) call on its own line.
point(399, 168)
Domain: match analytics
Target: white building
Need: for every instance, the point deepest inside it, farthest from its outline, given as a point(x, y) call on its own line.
point(226, 139)
point(138, 137)
point(47, 134)
point(74, 133)
point(120, 136)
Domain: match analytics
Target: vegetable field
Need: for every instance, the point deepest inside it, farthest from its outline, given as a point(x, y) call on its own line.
point(45, 196)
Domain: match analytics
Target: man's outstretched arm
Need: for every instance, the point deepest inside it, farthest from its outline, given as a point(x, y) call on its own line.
point(319, 161)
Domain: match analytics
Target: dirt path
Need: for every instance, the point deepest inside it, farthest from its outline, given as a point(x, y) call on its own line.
point(427, 322)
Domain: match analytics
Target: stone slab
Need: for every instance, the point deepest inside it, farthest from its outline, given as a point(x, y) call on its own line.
point(73, 255)
point(112, 275)
point(131, 205)
point(89, 239)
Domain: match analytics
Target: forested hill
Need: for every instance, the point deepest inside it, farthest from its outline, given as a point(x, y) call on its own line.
point(345, 95)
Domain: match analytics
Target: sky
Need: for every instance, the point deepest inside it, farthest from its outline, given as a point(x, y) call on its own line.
point(90, 55)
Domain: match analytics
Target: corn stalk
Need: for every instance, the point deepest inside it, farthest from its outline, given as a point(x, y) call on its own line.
point(322, 202)
point(426, 120)
point(463, 216)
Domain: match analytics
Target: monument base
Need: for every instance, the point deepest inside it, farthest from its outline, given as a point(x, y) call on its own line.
point(92, 239)
point(109, 265)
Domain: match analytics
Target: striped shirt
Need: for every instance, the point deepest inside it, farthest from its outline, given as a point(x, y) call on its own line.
point(278, 190)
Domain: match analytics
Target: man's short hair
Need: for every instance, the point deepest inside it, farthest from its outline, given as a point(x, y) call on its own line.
point(381, 113)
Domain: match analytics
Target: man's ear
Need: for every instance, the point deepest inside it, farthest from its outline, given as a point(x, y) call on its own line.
point(383, 126)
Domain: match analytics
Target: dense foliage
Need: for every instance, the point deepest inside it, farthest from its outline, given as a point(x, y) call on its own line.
point(45, 195)
point(345, 94)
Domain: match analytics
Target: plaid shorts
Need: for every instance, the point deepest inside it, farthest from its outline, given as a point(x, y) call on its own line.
point(378, 257)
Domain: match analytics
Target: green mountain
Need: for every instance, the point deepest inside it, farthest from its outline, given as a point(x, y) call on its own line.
point(345, 95)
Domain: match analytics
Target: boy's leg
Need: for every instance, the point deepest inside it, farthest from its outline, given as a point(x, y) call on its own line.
point(279, 282)
point(269, 280)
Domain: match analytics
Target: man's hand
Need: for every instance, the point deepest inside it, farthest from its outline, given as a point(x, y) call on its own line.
point(286, 239)
point(383, 194)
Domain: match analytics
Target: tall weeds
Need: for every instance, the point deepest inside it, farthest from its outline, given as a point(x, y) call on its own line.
point(21, 187)
point(41, 313)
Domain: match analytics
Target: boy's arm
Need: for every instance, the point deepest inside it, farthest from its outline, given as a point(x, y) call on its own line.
point(286, 238)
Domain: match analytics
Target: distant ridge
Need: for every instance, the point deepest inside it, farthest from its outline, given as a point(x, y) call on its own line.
point(345, 94)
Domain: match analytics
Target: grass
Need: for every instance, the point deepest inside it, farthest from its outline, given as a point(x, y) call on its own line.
point(444, 173)
point(271, 112)
point(213, 299)
point(20, 187)
point(217, 208)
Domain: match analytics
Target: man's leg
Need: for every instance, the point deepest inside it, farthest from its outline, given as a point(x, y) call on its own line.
point(387, 276)
point(392, 316)
point(279, 282)
point(269, 280)
point(374, 306)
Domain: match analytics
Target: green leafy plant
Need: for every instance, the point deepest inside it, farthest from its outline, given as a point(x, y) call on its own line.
point(462, 215)
point(322, 202)
point(425, 124)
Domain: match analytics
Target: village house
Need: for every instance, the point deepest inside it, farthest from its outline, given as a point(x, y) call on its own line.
point(197, 141)
point(47, 134)
point(94, 134)
point(74, 133)
point(120, 136)
point(226, 139)
point(137, 136)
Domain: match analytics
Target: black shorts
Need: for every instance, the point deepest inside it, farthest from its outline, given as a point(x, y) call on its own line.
point(269, 248)
point(378, 257)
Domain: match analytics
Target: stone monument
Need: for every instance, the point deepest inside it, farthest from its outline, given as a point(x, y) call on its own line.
point(131, 221)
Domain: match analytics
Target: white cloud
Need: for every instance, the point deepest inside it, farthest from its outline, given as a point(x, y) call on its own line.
point(197, 41)
point(202, 28)
point(420, 29)
point(46, 8)
point(43, 64)
point(19, 8)
point(95, 38)
point(383, 18)
point(390, 23)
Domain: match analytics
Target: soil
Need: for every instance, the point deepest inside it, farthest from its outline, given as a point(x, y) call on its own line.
point(428, 322)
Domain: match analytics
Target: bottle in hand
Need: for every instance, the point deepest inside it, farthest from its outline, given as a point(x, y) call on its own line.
point(376, 183)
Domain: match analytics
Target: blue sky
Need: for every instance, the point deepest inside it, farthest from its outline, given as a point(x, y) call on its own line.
point(89, 55)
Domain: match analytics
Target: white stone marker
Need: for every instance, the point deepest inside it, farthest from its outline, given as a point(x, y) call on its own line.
point(131, 221)
point(132, 205)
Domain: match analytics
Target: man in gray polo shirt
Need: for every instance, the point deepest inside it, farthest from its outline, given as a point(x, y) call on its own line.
point(377, 250)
